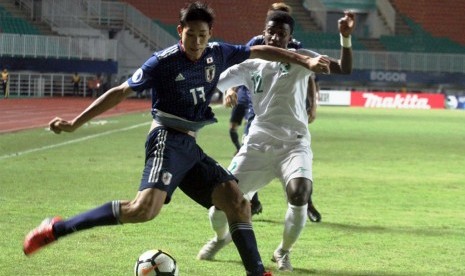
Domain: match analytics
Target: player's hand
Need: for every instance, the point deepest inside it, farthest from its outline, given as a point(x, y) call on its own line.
point(347, 23)
point(311, 115)
point(58, 125)
point(230, 98)
point(320, 64)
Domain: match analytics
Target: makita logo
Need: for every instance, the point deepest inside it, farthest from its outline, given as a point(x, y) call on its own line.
point(398, 101)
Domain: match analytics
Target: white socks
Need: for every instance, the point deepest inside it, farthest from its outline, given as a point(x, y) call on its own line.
point(219, 223)
point(294, 223)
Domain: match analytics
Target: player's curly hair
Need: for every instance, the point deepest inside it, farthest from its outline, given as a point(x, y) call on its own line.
point(280, 6)
point(281, 18)
point(196, 11)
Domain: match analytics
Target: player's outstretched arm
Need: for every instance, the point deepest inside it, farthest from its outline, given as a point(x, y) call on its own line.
point(346, 27)
point(106, 101)
point(318, 64)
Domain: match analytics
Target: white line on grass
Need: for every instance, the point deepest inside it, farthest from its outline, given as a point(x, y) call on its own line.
point(11, 155)
point(6, 156)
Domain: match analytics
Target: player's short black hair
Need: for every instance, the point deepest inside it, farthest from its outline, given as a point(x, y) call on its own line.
point(197, 11)
point(282, 18)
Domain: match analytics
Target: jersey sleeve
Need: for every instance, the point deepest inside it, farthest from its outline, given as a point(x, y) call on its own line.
point(256, 40)
point(234, 54)
point(232, 77)
point(143, 78)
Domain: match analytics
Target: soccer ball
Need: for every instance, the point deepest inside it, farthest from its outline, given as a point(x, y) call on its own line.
point(156, 263)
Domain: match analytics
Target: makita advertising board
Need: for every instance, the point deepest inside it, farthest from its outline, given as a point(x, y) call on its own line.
point(397, 100)
point(334, 97)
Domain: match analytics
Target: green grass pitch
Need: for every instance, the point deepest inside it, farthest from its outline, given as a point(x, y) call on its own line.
point(389, 184)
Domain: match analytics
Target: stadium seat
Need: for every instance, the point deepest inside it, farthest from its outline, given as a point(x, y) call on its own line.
point(438, 18)
point(420, 41)
point(11, 24)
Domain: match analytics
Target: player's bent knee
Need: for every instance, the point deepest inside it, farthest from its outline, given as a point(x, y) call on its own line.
point(228, 198)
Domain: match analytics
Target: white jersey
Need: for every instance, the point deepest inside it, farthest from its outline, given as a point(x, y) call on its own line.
point(278, 93)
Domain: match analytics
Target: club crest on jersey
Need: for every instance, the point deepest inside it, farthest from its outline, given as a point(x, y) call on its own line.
point(210, 73)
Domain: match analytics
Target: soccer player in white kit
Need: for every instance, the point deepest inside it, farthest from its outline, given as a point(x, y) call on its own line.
point(278, 143)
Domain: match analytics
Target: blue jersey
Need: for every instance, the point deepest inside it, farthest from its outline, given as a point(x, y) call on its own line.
point(260, 40)
point(181, 88)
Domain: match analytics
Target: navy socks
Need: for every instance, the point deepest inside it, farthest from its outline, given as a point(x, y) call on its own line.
point(107, 214)
point(244, 239)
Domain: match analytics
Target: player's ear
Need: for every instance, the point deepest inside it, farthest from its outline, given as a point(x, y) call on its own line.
point(179, 29)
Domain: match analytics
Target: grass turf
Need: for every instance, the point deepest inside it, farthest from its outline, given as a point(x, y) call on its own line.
point(389, 185)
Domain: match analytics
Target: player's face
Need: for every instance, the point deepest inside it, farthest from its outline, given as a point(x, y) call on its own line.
point(277, 34)
point(194, 37)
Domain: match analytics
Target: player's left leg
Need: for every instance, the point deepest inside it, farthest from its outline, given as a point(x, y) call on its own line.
point(201, 184)
point(298, 190)
point(229, 198)
point(296, 174)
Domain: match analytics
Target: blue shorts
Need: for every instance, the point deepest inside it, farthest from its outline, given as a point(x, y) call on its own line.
point(173, 159)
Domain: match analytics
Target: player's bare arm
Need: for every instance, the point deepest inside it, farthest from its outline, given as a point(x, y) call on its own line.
point(318, 64)
point(344, 64)
point(109, 99)
point(311, 98)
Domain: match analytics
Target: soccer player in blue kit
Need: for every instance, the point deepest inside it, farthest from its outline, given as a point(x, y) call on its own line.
point(183, 78)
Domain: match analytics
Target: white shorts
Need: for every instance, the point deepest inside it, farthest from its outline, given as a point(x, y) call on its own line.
point(263, 158)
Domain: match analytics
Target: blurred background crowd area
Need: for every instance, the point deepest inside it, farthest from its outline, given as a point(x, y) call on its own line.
point(400, 46)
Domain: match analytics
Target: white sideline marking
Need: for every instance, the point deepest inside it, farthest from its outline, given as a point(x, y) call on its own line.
point(16, 154)
point(6, 156)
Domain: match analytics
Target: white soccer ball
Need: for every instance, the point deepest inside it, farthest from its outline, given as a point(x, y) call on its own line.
point(156, 262)
point(451, 102)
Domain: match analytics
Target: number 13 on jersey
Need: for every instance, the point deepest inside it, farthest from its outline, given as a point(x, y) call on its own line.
point(198, 94)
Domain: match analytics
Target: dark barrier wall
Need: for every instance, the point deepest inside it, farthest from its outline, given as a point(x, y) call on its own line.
point(398, 77)
point(51, 65)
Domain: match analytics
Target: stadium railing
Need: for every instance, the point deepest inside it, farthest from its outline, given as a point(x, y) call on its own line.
point(30, 84)
point(40, 46)
point(404, 61)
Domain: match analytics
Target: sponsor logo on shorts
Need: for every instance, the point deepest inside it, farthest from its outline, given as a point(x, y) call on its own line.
point(166, 178)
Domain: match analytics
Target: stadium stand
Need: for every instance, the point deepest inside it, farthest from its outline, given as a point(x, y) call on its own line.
point(439, 18)
point(420, 41)
point(435, 28)
point(12, 24)
point(236, 22)
point(130, 30)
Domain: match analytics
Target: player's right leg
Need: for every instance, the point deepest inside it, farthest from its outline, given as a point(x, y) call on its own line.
point(147, 204)
point(237, 114)
point(144, 207)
